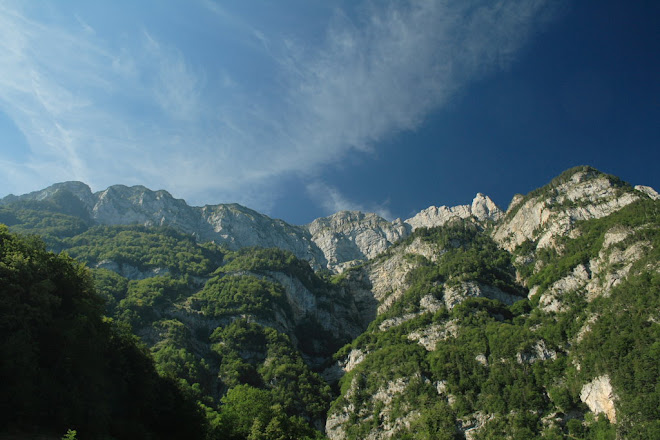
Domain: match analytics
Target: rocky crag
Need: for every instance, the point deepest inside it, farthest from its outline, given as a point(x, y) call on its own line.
point(336, 242)
point(576, 247)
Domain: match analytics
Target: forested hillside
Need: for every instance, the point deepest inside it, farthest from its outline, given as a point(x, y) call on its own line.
point(543, 321)
point(65, 365)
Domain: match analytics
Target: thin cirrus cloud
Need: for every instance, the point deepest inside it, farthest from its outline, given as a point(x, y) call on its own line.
point(146, 113)
point(333, 201)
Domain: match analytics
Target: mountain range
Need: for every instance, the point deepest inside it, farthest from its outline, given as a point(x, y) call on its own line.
point(465, 322)
point(330, 242)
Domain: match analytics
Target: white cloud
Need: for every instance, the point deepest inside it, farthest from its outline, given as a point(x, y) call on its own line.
point(332, 200)
point(74, 99)
point(86, 108)
point(239, 28)
point(384, 72)
point(176, 86)
point(86, 27)
point(32, 96)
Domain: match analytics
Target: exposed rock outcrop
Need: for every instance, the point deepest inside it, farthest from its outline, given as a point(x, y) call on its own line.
point(482, 208)
point(538, 352)
point(429, 336)
point(456, 294)
point(131, 272)
point(599, 275)
point(353, 235)
point(599, 397)
point(336, 242)
point(551, 299)
point(586, 194)
point(648, 191)
point(382, 398)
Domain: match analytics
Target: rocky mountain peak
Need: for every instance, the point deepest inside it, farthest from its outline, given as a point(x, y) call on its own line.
point(120, 204)
point(347, 236)
point(581, 193)
point(482, 208)
point(78, 189)
point(237, 226)
point(648, 191)
point(346, 220)
point(439, 301)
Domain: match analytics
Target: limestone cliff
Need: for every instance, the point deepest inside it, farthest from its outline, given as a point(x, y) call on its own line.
point(564, 283)
point(482, 209)
point(350, 236)
point(336, 242)
point(599, 397)
point(552, 211)
point(231, 225)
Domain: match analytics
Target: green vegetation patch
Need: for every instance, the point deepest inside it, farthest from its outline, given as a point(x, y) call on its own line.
point(145, 247)
point(146, 299)
point(624, 343)
point(262, 260)
point(64, 365)
point(260, 366)
point(239, 294)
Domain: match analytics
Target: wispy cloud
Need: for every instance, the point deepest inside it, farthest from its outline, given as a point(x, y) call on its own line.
point(241, 29)
point(332, 200)
point(145, 113)
point(34, 98)
point(176, 87)
point(76, 101)
point(86, 27)
point(384, 72)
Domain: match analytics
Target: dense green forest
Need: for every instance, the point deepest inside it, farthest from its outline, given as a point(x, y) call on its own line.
point(72, 367)
point(65, 365)
point(132, 331)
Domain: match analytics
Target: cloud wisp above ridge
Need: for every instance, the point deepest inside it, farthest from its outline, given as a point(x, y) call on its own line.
point(143, 111)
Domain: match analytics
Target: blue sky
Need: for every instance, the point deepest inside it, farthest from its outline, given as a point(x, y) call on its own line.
point(301, 108)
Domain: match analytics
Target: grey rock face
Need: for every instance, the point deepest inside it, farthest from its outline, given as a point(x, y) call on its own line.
point(79, 189)
point(599, 397)
point(587, 195)
point(598, 276)
point(335, 424)
point(236, 226)
point(336, 242)
point(648, 191)
point(353, 235)
point(538, 352)
point(482, 208)
point(428, 337)
point(470, 289)
point(347, 238)
point(231, 225)
point(121, 205)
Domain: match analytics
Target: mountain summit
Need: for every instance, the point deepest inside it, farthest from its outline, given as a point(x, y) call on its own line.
point(341, 240)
